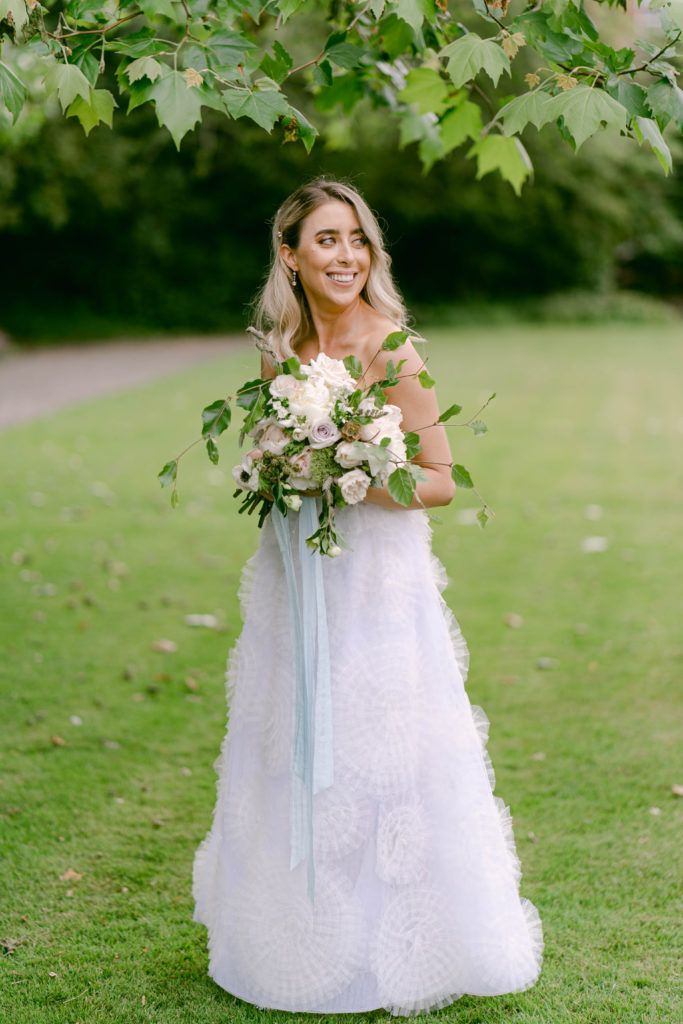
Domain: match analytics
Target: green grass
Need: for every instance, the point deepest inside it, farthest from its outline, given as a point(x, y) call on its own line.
point(95, 567)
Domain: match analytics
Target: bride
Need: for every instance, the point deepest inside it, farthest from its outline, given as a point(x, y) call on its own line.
point(416, 893)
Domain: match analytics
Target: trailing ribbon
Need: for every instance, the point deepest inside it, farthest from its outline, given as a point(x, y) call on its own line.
point(312, 756)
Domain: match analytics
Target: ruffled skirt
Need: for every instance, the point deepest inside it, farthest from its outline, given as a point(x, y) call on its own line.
point(416, 877)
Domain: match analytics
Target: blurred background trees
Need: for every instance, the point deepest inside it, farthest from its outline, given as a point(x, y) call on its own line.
point(120, 233)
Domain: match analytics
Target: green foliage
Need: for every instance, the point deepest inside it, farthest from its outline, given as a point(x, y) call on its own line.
point(216, 418)
point(413, 59)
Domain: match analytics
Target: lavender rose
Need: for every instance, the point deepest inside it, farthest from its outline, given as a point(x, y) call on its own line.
point(323, 433)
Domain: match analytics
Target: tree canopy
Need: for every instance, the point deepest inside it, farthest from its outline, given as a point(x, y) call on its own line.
point(471, 74)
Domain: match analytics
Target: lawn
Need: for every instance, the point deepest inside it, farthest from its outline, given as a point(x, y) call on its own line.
point(108, 744)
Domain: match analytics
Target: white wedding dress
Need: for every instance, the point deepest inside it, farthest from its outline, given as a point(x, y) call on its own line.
point(416, 879)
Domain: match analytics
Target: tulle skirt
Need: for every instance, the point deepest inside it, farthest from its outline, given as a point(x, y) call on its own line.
point(416, 878)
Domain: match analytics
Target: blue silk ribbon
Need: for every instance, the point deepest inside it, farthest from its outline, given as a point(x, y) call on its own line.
point(312, 767)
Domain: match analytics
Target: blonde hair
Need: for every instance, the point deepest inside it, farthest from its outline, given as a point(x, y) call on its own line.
point(281, 311)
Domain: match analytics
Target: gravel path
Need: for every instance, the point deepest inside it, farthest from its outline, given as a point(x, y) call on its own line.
point(37, 383)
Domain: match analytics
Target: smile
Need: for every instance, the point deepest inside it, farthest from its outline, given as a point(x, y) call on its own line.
point(339, 278)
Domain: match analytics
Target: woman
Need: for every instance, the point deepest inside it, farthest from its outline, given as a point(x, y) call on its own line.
point(415, 897)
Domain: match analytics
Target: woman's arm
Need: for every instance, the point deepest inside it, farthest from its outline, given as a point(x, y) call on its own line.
point(420, 409)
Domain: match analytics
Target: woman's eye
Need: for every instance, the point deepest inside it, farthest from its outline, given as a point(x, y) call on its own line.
point(326, 241)
point(360, 241)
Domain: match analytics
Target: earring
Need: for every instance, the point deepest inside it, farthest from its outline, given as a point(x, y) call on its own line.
point(294, 279)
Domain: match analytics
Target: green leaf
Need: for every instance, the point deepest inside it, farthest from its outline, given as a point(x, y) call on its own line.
point(452, 410)
point(17, 9)
point(228, 48)
point(212, 450)
point(345, 89)
point(169, 472)
point(666, 101)
point(531, 108)
point(88, 65)
point(249, 392)
point(177, 105)
point(498, 153)
point(288, 7)
point(401, 486)
point(417, 472)
point(264, 106)
point(174, 498)
point(354, 366)
point(138, 44)
point(140, 92)
point(277, 66)
point(647, 130)
point(216, 418)
point(430, 147)
point(462, 123)
point(377, 6)
point(395, 340)
point(293, 366)
point(144, 67)
point(162, 8)
point(323, 73)
point(586, 110)
point(461, 477)
point(12, 91)
point(344, 55)
point(395, 36)
point(478, 427)
point(390, 373)
point(255, 414)
point(68, 82)
point(425, 379)
point(483, 516)
point(631, 96)
point(414, 12)
point(99, 108)
point(303, 129)
point(412, 443)
point(427, 89)
point(470, 55)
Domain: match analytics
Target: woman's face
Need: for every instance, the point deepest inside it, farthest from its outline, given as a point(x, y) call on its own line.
point(332, 258)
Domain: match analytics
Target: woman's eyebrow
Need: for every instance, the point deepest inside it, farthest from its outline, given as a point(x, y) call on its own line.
point(334, 231)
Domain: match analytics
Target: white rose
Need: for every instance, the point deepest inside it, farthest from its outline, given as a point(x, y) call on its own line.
point(323, 433)
point(246, 474)
point(332, 373)
point(311, 399)
point(283, 385)
point(391, 416)
point(348, 456)
point(273, 439)
point(293, 501)
point(354, 486)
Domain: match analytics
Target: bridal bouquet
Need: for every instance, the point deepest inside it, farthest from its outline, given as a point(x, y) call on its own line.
point(321, 429)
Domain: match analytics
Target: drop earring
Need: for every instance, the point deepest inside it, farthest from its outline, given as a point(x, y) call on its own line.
point(294, 279)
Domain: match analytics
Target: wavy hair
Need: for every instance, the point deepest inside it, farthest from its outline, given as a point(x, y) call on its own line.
point(281, 311)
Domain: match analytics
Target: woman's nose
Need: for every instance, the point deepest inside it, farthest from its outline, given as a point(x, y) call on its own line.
point(345, 250)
